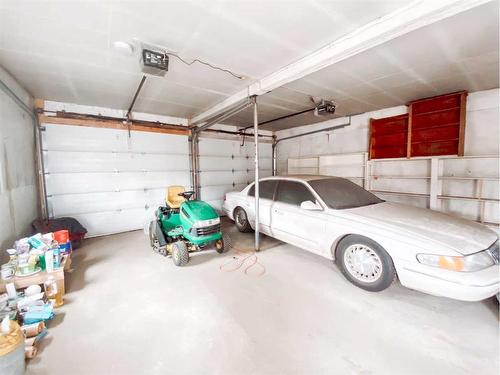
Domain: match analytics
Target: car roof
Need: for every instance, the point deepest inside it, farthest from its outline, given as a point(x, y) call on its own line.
point(301, 177)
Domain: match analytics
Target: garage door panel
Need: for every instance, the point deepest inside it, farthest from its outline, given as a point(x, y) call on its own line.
point(64, 183)
point(71, 162)
point(226, 165)
point(73, 204)
point(109, 222)
point(222, 178)
point(156, 197)
point(209, 146)
point(216, 163)
point(160, 179)
point(216, 192)
point(159, 143)
point(108, 180)
point(82, 138)
point(265, 164)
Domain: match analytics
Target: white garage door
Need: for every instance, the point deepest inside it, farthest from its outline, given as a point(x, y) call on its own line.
point(107, 180)
point(226, 166)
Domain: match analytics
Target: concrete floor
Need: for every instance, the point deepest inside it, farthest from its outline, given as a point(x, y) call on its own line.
point(131, 311)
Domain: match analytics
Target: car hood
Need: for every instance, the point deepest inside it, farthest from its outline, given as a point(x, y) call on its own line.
point(462, 235)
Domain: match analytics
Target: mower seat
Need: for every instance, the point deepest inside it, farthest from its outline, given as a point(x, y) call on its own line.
point(172, 198)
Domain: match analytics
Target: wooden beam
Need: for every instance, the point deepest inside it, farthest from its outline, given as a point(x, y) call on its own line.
point(113, 124)
point(39, 103)
point(408, 140)
point(461, 132)
point(370, 140)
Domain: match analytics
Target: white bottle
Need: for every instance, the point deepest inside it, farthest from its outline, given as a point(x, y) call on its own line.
point(49, 261)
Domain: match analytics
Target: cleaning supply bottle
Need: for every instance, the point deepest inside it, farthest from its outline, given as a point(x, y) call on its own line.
point(49, 260)
point(57, 257)
point(52, 292)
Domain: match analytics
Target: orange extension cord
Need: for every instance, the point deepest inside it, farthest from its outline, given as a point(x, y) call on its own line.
point(243, 257)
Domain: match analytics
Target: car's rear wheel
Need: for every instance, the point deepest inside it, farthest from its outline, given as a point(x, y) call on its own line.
point(365, 263)
point(241, 220)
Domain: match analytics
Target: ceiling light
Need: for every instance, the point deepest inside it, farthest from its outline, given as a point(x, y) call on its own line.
point(123, 48)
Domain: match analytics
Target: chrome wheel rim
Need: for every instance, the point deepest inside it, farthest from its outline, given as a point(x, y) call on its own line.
point(363, 263)
point(241, 218)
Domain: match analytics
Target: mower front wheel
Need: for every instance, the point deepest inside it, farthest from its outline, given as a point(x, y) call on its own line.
point(222, 245)
point(180, 253)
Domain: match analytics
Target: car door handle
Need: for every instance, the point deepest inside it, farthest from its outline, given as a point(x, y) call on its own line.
point(278, 212)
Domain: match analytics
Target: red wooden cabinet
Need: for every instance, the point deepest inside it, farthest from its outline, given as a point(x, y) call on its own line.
point(388, 137)
point(433, 126)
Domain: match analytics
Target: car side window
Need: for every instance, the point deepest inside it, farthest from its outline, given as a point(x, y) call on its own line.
point(266, 189)
point(293, 193)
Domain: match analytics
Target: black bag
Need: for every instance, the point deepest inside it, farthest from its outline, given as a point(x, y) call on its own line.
point(76, 230)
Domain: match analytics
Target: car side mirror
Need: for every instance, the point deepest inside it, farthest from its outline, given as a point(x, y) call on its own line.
point(310, 206)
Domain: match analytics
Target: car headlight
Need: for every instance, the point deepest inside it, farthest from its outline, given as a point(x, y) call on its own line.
point(206, 223)
point(468, 263)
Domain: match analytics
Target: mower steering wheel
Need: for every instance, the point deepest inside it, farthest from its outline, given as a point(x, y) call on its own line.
point(186, 194)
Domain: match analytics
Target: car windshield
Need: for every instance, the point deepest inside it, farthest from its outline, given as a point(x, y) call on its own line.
point(339, 193)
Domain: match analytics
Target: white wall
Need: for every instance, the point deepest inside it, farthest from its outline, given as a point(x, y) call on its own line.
point(482, 137)
point(482, 131)
point(18, 184)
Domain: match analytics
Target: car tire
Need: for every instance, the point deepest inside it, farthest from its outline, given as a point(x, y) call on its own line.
point(180, 253)
point(241, 220)
point(365, 263)
point(226, 244)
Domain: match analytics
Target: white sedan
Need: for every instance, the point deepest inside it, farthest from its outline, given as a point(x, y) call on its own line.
point(373, 241)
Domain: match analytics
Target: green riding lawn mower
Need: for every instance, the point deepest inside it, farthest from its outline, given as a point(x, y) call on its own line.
point(184, 225)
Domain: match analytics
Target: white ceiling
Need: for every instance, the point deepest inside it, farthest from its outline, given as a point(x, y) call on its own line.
point(458, 53)
point(61, 50)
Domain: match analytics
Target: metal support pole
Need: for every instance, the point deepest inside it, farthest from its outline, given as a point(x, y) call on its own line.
point(44, 204)
point(193, 151)
point(256, 141)
point(274, 155)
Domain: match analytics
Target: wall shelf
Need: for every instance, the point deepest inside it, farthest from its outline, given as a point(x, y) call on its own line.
point(486, 178)
point(398, 177)
point(420, 195)
point(457, 197)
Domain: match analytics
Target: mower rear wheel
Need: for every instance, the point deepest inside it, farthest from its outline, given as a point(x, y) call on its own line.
point(241, 220)
point(153, 240)
point(222, 246)
point(180, 253)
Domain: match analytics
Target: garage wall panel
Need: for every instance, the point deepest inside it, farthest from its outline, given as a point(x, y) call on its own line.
point(108, 180)
point(82, 161)
point(108, 222)
point(227, 165)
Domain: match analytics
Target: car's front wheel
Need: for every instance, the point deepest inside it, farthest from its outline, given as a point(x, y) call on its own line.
point(365, 263)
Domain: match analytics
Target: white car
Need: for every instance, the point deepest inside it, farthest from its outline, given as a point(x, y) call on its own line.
point(373, 241)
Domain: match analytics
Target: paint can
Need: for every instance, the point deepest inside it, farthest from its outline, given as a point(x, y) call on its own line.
point(61, 236)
